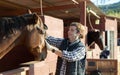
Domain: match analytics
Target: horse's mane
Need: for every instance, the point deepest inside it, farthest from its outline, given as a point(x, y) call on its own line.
point(9, 24)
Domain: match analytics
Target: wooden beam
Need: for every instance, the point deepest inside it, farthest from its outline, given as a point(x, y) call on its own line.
point(23, 11)
point(12, 13)
point(10, 5)
point(83, 13)
point(23, 3)
point(18, 12)
point(53, 8)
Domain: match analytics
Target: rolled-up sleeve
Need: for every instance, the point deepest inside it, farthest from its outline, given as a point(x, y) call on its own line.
point(76, 54)
point(54, 41)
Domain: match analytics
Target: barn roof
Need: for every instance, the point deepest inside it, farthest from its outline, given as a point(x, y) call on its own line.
point(58, 8)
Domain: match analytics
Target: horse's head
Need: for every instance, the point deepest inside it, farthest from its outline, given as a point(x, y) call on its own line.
point(36, 35)
point(19, 37)
point(27, 30)
point(95, 37)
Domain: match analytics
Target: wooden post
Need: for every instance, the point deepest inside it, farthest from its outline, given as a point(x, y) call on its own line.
point(83, 12)
point(82, 7)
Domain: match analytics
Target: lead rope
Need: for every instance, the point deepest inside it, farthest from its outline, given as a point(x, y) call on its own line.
point(90, 22)
point(41, 10)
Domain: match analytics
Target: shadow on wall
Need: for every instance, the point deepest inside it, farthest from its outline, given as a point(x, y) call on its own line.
point(15, 57)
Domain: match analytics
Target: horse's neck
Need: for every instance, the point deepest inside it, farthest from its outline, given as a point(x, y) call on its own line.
point(8, 43)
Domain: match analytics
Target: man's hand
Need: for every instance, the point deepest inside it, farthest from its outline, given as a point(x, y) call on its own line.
point(53, 49)
point(50, 47)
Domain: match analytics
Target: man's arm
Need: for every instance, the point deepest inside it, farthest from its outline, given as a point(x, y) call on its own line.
point(54, 41)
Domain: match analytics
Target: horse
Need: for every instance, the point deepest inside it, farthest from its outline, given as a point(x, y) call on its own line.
point(21, 40)
point(95, 37)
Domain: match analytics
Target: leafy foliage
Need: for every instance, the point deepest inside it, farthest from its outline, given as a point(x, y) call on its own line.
point(111, 9)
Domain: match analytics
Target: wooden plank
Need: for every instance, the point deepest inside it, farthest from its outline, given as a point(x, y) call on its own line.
point(23, 11)
point(53, 8)
point(24, 3)
point(106, 66)
point(10, 5)
point(15, 71)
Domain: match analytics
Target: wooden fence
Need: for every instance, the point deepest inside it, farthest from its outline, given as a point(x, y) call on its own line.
point(18, 71)
point(105, 66)
point(30, 68)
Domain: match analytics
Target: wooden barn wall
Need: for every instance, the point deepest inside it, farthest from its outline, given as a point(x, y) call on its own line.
point(55, 28)
point(111, 25)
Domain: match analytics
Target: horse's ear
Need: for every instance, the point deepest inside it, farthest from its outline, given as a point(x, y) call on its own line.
point(29, 11)
point(38, 19)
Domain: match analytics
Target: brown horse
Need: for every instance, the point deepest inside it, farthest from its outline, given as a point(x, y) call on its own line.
point(95, 37)
point(24, 34)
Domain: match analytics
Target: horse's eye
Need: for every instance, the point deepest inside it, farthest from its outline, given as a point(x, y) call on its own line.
point(40, 30)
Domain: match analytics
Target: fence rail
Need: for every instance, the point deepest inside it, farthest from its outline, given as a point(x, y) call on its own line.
point(107, 67)
point(18, 71)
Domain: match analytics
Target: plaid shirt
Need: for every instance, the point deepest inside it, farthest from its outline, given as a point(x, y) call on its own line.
point(67, 56)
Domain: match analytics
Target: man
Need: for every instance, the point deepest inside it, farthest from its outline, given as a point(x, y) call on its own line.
point(70, 51)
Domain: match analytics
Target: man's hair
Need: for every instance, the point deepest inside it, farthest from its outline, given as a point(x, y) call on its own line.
point(80, 28)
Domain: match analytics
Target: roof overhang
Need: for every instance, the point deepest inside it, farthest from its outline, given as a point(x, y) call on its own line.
point(58, 8)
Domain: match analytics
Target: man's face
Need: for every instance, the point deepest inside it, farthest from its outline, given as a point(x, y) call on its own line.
point(72, 32)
